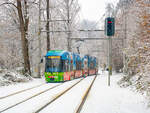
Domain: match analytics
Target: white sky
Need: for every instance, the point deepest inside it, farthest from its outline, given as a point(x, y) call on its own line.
point(93, 9)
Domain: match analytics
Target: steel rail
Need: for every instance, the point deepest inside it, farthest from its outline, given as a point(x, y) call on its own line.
point(79, 108)
point(21, 91)
point(31, 97)
point(57, 96)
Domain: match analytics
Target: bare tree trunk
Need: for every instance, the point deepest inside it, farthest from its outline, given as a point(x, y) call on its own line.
point(47, 27)
point(24, 32)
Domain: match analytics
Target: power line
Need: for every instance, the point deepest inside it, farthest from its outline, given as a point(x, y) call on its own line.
point(82, 39)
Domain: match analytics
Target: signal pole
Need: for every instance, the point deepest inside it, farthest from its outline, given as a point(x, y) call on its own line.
point(109, 31)
point(109, 59)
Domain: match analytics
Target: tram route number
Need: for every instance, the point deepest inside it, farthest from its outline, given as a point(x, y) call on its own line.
point(52, 76)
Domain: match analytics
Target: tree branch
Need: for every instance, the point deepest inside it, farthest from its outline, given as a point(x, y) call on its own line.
point(6, 3)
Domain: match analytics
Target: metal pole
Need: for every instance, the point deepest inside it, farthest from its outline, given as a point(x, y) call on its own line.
point(39, 40)
point(109, 59)
point(109, 50)
point(68, 25)
point(47, 26)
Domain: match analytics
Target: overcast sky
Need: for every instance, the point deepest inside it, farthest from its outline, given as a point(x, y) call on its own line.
point(93, 9)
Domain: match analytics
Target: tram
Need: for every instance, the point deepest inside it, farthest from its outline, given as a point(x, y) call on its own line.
point(63, 66)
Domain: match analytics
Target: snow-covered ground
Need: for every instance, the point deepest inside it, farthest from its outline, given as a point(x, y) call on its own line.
point(15, 76)
point(33, 104)
point(70, 101)
point(6, 90)
point(101, 99)
point(113, 99)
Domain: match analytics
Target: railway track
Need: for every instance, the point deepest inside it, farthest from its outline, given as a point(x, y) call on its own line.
point(79, 108)
point(58, 94)
point(29, 98)
point(21, 91)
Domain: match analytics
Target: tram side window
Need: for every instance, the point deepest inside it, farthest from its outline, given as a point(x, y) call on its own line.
point(65, 65)
point(78, 65)
point(95, 64)
point(85, 65)
point(68, 65)
point(92, 65)
point(71, 65)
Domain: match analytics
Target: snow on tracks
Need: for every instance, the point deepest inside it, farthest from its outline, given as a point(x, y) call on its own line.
point(73, 100)
point(33, 104)
point(14, 99)
point(20, 91)
point(70, 95)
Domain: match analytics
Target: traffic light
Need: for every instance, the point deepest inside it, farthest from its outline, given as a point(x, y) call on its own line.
point(109, 26)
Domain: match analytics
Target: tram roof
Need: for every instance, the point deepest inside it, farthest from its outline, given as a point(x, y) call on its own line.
point(62, 53)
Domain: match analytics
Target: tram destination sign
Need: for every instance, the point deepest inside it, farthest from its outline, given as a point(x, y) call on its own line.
point(53, 57)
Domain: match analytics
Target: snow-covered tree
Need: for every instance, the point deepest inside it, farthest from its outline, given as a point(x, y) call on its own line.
point(135, 17)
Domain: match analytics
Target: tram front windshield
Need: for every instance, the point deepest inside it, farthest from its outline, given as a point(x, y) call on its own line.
point(53, 65)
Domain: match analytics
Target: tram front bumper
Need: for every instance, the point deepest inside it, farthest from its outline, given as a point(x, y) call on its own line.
point(54, 77)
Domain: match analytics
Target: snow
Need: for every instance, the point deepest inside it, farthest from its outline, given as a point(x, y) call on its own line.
point(7, 102)
point(72, 99)
point(113, 99)
point(33, 104)
point(101, 99)
point(8, 77)
point(5, 90)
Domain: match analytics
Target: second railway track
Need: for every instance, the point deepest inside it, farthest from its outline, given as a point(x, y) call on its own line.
point(12, 108)
point(21, 91)
point(19, 102)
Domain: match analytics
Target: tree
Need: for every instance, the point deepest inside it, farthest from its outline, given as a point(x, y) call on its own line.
point(24, 22)
point(23, 17)
point(60, 17)
point(137, 49)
